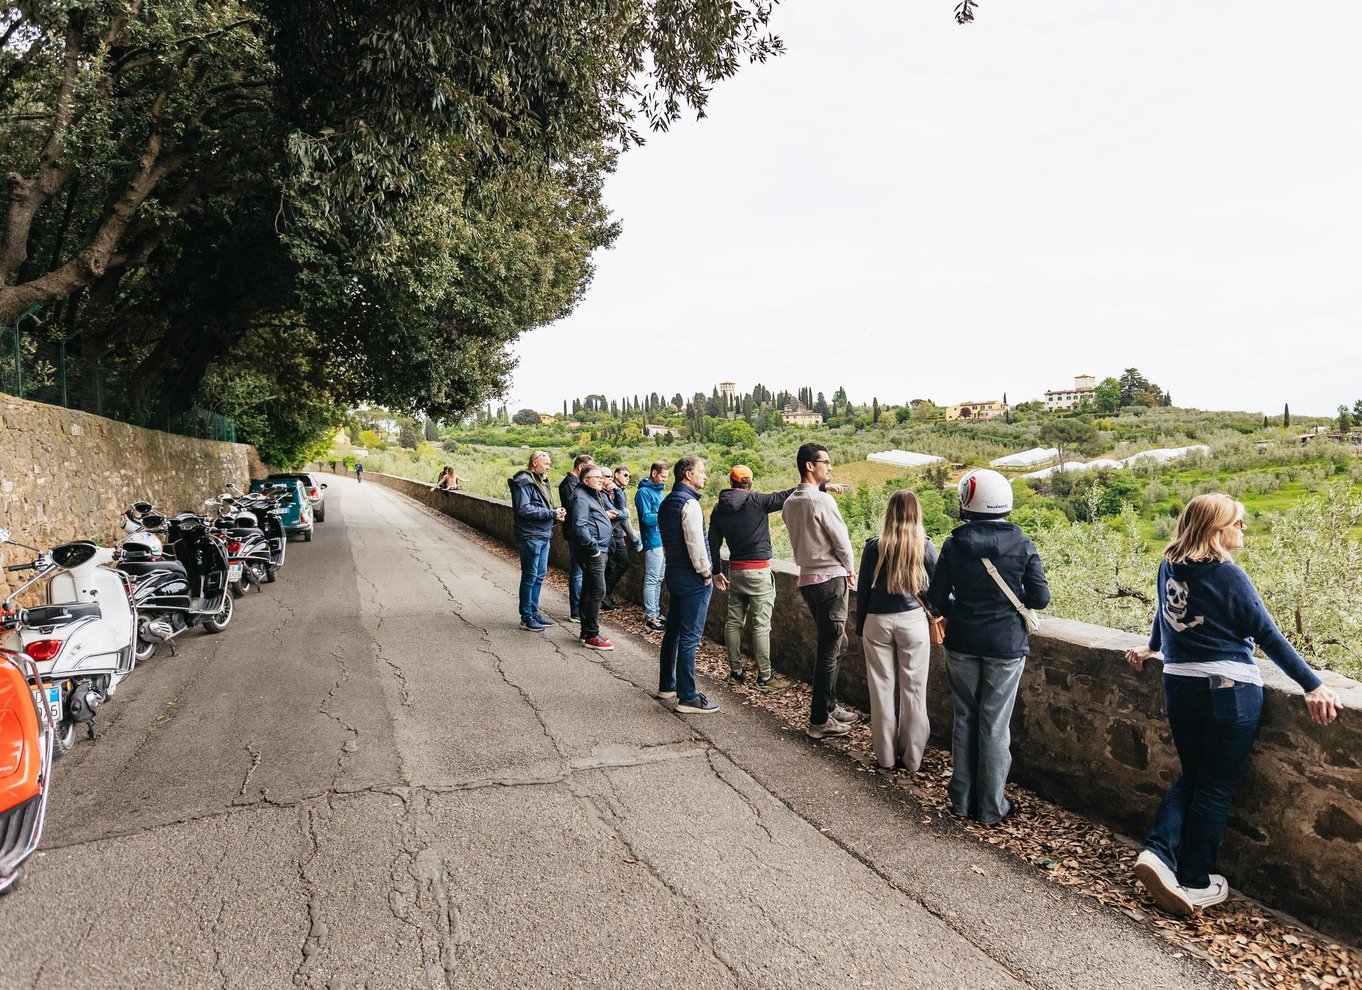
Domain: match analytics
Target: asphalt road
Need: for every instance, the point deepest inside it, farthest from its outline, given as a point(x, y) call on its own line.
point(375, 779)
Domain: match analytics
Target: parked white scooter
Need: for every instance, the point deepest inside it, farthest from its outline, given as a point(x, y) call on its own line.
point(83, 640)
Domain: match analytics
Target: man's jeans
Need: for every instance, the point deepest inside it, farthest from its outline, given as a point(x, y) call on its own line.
point(1214, 722)
point(750, 593)
point(574, 580)
point(534, 564)
point(685, 625)
point(828, 603)
point(654, 566)
point(984, 690)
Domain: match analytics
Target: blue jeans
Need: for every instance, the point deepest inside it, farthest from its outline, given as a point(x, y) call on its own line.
point(1214, 723)
point(574, 581)
point(685, 626)
point(984, 690)
point(654, 566)
point(534, 564)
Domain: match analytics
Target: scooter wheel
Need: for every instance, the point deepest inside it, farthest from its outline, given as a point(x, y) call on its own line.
point(237, 588)
point(271, 575)
point(219, 622)
point(65, 736)
point(145, 650)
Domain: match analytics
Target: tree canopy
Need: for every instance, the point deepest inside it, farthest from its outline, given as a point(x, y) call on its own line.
point(277, 209)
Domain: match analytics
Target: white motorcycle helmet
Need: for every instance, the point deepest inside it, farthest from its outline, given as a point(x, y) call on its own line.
point(986, 493)
point(143, 543)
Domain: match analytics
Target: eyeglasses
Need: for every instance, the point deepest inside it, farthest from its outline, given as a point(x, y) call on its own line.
point(822, 460)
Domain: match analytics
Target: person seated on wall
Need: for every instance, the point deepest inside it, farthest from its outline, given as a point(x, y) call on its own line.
point(448, 481)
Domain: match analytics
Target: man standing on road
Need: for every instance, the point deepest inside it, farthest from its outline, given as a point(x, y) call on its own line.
point(822, 549)
point(592, 531)
point(359, 472)
point(741, 518)
point(682, 526)
point(647, 500)
point(566, 488)
point(625, 538)
point(535, 514)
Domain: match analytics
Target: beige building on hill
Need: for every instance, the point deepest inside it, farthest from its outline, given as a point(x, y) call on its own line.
point(987, 409)
point(798, 414)
point(1085, 388)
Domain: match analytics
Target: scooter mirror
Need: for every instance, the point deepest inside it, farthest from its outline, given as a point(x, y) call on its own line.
point(141, 507)
point(323, 484)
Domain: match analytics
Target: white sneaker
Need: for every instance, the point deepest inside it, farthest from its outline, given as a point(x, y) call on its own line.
point(1162, 884)
point(844, 715)
point(831, 727)
point(1204, 897)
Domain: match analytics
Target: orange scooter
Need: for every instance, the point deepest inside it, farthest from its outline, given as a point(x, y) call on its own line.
point(26, 738)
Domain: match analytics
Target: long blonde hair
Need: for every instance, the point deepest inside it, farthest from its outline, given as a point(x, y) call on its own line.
point(903, 546)
point(1200, 526)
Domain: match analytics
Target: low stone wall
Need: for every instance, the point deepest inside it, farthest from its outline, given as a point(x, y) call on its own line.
point(1090, 734)
point(68, 475)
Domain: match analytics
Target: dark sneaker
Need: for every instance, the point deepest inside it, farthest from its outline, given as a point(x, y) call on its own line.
point(598, 643)
point(831, 727)
point(655, 624)
point(737, 676)
point(543, 619)
point(772, 683)
point(530, 622)
point(845, 716)
point(609, 604)
point(700, 705)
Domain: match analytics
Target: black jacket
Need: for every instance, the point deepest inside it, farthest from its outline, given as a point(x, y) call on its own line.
point(875, 599)
point(566, 487)
point(740, 518)
point(533, 507)
point(591, 530)
point(982, 620)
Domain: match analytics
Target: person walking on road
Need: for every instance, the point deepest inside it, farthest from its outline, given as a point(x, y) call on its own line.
point(591, 535)
point(689, 578)
point(359, 472)
point(988, 570)
point(534, 516)
point(822, 549)
point(647, 500)
point(566, 488)
point(742, 518)
point(1209, 621)
point(895, 569)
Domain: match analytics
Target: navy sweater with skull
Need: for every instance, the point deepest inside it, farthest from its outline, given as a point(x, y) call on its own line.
point(1209, 610)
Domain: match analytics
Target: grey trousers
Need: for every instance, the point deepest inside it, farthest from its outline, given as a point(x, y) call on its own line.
point(984, 690)
point(898, 652)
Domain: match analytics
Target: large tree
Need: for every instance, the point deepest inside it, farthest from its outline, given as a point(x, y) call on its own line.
point(394, 191)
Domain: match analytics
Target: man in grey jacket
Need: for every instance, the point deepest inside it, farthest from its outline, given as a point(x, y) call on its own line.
point(822, 549)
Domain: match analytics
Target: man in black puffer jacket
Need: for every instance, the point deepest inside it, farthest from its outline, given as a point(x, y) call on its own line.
point(740, 517)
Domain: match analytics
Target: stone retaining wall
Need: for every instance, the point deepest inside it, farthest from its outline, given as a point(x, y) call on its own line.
point(1090, 734)
point(68, 475)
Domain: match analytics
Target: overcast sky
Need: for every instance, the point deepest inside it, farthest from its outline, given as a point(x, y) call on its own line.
point(910, 208)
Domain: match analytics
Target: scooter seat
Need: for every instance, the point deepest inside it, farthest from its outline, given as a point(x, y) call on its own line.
point(43, 616)
point(137, 568)
point(244, 532)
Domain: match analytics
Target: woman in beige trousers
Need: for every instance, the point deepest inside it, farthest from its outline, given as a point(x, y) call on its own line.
point(895, 569)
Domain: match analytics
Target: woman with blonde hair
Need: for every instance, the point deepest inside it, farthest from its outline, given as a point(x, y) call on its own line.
point(895, 569)
point(1209, 620)
point(448, 480)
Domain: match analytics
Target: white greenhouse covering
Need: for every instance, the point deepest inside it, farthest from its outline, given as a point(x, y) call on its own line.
point(1160, 454)
point(904, 458)
point(1027, 458)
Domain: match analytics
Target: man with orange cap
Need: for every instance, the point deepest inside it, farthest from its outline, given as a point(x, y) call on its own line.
point(740, 517)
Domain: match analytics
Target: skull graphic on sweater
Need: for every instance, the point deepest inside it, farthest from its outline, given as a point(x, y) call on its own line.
point(1176, 597)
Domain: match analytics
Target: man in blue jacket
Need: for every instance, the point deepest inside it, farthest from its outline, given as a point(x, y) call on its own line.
point(535, 514)
point(647, 500)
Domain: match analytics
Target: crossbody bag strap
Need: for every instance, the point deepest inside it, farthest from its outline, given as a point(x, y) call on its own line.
point(998, 578)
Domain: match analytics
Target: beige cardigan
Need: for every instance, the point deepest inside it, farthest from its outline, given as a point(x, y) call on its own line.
point(818, 533)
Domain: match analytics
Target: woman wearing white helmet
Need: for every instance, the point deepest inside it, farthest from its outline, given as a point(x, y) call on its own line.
point(981, 562)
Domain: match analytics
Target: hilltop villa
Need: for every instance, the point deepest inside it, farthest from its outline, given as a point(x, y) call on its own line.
point(797, 414)
point(1071, 398)
point(988, 409)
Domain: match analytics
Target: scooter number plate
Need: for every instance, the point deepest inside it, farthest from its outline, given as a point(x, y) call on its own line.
point(54, 703)
point(234, 574)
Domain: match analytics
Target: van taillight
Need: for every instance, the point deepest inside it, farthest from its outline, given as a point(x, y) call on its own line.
point(43, 650)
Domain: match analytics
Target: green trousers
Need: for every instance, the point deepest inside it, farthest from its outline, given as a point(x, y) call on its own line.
point(751, 594)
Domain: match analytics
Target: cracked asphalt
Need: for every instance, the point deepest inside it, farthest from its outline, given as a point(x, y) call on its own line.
point(375, 779)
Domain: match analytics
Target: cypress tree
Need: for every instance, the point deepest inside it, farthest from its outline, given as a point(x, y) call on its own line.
point(1286, 415)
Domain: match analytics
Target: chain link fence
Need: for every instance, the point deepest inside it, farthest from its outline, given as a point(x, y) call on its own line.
point(36, 366)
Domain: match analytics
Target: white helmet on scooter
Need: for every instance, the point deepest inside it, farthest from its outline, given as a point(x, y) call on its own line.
point(143, 543)
point(985, 493)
